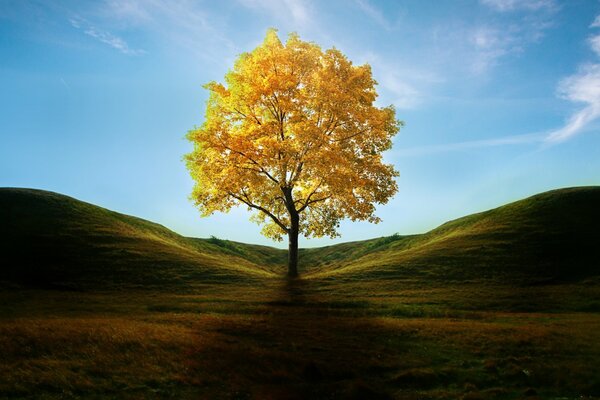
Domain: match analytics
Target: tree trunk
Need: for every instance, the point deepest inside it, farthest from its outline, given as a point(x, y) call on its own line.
point(293, 248)
point(292, 232)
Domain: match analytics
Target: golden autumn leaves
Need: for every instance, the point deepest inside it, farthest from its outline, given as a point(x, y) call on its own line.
point(293, 134)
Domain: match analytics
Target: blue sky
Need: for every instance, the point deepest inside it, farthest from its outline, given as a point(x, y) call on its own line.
point(501, 98)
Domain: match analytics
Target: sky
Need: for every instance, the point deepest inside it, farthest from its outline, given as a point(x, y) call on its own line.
point(500, 99)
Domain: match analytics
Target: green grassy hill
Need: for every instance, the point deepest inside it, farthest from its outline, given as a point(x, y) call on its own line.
point(550, 236)
point(48, 239)
point(450, 314)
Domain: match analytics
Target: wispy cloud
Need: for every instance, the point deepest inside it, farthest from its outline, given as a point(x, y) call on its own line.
point(584, 88)
point(182, 24)
point(135, 11)
point(514, 5)
point(64, 83)
point(374, 13)
point(490, 44)
point(403, 87)
point(296, 13)
point(493, 41)
point(104, 36)
point(472, 144)
point(405, 96)
point(595, 44)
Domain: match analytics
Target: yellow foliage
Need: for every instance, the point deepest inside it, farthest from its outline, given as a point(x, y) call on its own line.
point(294, 134)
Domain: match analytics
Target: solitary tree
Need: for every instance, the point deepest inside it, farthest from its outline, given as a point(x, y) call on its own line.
point(294, 134)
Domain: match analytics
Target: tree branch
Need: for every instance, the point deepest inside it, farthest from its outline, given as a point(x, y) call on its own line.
point(239, 112)
point(272, 108)
point(313, 201)
point(249, 203)
point(261, 169)
point(308, 200)
point(332, 123)
point(351, 136)
point(297, 172)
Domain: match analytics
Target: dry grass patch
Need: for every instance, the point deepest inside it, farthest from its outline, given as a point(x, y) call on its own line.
point(81, 355)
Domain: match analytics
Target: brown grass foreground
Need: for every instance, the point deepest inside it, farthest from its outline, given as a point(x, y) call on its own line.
point(310, 339)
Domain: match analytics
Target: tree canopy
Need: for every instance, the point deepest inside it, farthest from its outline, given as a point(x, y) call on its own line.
point(293, 133)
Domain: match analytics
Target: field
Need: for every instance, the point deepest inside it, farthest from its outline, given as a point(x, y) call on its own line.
point(307, 339)
point(95, 304)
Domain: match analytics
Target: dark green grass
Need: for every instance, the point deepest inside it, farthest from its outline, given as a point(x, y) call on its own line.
point(54, 240)
point(51, 240)
point(550, 237)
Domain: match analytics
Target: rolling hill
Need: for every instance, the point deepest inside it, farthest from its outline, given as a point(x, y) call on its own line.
point(547, 237)
point(52, 240)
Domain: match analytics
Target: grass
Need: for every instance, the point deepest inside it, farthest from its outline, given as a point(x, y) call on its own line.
point(503, 304)
point(301, 340)
point(57, 241)
point(552, 236)
point(53, 240)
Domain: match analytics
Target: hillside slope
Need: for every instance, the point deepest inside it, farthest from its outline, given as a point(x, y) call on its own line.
point(48, 239)
point(550, 236)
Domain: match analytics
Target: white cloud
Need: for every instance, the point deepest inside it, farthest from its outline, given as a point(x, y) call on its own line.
point(298, 10)
point(495, 41)
point(374, 13)
point(490, 44)
point(104, 36)
point(398, 85)
point(182, 23)
point(404, 95)
point(472, 144)
point(595, 44)
point(112, 40)
point(583, 87)
point(75, 22)
point(297, 13)
point(513, 5)
point(486, 38)
point(596, 23)
point(134, 10)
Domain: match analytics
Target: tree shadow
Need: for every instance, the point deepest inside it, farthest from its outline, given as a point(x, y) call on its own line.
point(295, 344)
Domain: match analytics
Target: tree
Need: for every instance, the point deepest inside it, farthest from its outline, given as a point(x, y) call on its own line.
point(294, 135)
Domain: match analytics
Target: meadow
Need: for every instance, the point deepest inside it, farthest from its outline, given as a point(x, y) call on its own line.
point(304, 339)
point(95, 304)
